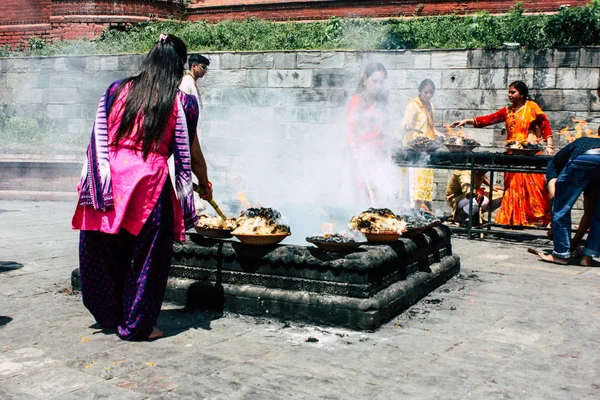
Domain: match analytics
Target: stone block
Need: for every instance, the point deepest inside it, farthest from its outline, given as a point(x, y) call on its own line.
point(314, 115)
point(3, 79)
point(520, 74)
point(215, 60)
point(17, 65)
point(335, 78)
point(211, 96)
point(54, 111)
point(256, 78)
point(93, 63)
point(462, 99)
point(459, 79)
point(77, 63)
point(252, 114)
point(47, 64)
point(577, 78)
point(257, 60)
point(25, 81)
point(308, 60)
point(73, 111)
point(3, 65)
point(332, 60)
point(544, 78)
point(231, 61)
point(109, 63)
point(78, 126)
point(290, 78)
point(564, 58)
point(415, 77)
point(351, 60)
point(285, 114)
point(91, 96)
point(70, 79)
point(254, 97)
point(449, 59)
point(493, 78)
point(404, 60)
point(225, 78)
point(422, 60)
point(387, 58)
point(589, 57)
point(284, 60)
point(61, 64)
point(215, 129)
point(34, 96)
point(561, 119)
point(6, 96)
point(549, 100)
point(35, 64)
point(577, 100)
point(500, 59)
point(61, 125)
point(127, 63)
point(595, 103)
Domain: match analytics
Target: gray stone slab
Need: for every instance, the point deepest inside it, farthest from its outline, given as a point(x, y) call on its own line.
point(109, 63)
point(335, 78)
point(289, 78)
point(256, 78)
point(226, 78)
point(463, 79)
point(449, 59)
point(284, 60)
point(332, 60)
point(580, 78)
point(230, 61)
point(544, 78)
point(308, 60)
point(589, 57)
point(257, 61)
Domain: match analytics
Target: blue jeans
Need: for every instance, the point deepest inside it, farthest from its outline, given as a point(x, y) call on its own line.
point(579, 173)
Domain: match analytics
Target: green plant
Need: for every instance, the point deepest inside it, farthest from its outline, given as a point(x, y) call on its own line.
point(21, 129)
point(35, 43)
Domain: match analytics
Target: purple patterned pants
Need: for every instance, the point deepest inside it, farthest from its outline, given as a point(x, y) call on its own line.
point(124, 277)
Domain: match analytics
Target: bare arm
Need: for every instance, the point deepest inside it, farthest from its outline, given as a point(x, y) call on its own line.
point(200, 170)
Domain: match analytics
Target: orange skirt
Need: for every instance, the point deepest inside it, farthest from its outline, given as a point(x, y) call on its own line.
point(525, 201)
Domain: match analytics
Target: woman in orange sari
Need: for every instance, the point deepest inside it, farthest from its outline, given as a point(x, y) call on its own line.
point(525, 201)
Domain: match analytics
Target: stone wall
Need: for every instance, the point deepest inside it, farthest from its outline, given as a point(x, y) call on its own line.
point(302, 96)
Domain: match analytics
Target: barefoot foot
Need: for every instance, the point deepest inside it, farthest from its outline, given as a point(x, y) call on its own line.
point(551, 258)
point(155, 334)
point(586, 261)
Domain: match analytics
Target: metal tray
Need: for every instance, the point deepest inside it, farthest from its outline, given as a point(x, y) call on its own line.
point(214, 232)
point(261, 240)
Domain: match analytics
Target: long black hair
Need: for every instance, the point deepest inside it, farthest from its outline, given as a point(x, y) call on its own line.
point(370, 69)
point(521, 88)
point(153, 92)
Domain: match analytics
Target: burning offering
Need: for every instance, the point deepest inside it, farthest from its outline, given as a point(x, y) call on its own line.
point(424, 145)
point(459, 141)
point(334, 242)
point(213, 226)
point(418, 220)
point(379, 225)
point(260, 225)
point(524, 147)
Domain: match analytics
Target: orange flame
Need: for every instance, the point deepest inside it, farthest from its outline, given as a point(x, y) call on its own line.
point(243, 200)
point(327, 228)
point(581, 129)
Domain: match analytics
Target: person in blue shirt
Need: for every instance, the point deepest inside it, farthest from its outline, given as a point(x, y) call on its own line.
point(571, 171)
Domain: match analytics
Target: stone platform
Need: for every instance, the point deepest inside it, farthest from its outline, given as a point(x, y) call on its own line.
point(359, 290)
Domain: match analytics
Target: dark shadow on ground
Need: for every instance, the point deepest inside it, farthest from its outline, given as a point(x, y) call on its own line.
point(6, 266)
point(174, 322)
point(4, 320)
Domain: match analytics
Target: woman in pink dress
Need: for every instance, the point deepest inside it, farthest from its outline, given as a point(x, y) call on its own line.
point(128, 211)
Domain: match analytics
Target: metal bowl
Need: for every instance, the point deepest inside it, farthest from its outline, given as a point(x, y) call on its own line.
point(523, 152)
point(382, 237)
point(262, 240)
point(460, 148)
point(214, 232)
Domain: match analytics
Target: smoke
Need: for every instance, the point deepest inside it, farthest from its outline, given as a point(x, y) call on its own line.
point(309, 173)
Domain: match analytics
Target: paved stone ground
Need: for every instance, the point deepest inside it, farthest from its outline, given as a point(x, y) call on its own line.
point(508, 327)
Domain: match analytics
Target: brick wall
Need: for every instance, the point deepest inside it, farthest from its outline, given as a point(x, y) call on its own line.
point(74, 19)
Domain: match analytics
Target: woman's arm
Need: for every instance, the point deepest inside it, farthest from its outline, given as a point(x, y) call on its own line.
point(482, 121)
point(200, 170)
point(544, 124)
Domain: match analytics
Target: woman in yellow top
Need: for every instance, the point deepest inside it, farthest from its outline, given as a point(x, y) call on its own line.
point(418, 121)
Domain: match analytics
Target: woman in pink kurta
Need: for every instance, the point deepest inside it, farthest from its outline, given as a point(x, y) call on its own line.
point(128, 211)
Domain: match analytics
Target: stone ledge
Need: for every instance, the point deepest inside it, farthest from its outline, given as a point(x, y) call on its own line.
point(353, 313)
